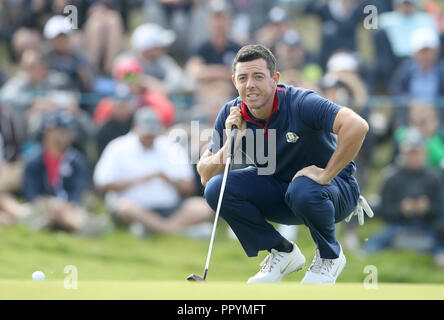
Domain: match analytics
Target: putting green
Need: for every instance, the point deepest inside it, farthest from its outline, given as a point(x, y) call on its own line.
point(184, 290)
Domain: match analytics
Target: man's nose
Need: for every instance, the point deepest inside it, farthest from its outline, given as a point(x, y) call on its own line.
point(251, 83)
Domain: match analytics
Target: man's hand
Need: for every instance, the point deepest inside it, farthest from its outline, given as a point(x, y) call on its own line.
point(422, 205)
point(314, 173)
point(408, 207)
point(235, 118)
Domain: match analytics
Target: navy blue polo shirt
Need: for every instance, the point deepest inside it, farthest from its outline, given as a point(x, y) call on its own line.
point(300, 127)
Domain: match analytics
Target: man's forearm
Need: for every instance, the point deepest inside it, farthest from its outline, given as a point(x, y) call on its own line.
point(122, 185)
point(350, 139)
point(211, 164)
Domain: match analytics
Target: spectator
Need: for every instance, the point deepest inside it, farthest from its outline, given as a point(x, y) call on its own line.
point(345, 68)
point(164, 11)
point(83, 131)
point(420, 77)
point(120, 122)
point(297, 66)
point(176, 15)
point(56, 179)
point(410, 204)
point(11, 18)
point(128, 71)
point(270, 34)
point(11, 169)
point(150, 42)
point(393, 38)
point(209, 98)
point(104, 32)
point(424, 116)
point(64, 58)
point(340, 19)
point(25, 39)
point(249, 17)
point(34, 80)
point(149, 185)
point(212, 59)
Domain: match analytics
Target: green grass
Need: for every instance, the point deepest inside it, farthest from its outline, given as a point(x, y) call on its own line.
point(183, 290)
point(119, 256)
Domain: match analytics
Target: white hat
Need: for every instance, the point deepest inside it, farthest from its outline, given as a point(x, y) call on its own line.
point(55, 26)
point(149, 35)
point(342, 61)
point(220, 6)
point(424, 38)
point(277, 15)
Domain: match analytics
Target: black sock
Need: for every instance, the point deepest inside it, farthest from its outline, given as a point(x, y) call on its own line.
point(284, 246)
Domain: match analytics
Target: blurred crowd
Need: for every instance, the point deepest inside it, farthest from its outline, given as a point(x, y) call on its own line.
point(90, 90)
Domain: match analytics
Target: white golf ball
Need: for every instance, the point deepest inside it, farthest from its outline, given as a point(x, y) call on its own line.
point(38, 276)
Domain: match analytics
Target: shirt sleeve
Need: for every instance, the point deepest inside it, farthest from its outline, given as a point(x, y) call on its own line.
point(31, 187)
point(80, 182)
point(317, 112)
point(107, 167)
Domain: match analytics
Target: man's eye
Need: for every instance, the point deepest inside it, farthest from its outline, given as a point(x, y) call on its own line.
point(259, 77)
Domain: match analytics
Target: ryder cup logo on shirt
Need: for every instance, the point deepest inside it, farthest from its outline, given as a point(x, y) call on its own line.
point(292, 137)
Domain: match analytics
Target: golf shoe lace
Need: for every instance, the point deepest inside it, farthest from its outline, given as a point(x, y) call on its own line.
point(270, 261)
point(320, 265)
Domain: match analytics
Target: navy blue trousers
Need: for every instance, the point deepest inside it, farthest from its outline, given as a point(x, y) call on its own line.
point(251, 199)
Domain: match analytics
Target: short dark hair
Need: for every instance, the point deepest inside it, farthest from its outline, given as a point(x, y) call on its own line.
point(255, 51)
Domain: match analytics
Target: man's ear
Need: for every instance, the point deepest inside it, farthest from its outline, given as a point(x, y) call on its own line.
point(233, 79)
point(276, 77)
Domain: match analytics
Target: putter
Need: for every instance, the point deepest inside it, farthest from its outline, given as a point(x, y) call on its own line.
point(194, 277)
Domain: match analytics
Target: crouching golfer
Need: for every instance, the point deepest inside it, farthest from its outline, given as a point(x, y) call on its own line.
point(312, 183)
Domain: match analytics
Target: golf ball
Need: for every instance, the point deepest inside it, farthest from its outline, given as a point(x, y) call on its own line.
point(38, 276)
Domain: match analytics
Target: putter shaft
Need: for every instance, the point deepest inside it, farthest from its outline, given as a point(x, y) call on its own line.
point(221, 195)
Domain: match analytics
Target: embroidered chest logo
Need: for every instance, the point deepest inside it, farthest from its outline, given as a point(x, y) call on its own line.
point(292, 137)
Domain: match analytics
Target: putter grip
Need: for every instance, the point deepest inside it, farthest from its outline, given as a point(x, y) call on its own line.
point(232, 140)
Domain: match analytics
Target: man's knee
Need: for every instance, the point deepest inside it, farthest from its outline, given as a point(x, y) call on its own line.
point(212, 190)
point(302, 196)
point(124, 209)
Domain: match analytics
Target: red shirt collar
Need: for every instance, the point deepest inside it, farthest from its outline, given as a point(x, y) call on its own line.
point(247, 117)
point(52, 163)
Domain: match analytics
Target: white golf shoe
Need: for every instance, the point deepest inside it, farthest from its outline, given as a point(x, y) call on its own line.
point(278, 264)
point(324, 271)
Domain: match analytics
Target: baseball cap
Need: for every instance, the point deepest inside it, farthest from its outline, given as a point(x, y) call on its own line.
point(150, 35)
point(413, 140)
point(424, 38)
point(58, 119)
point(126, 68)
point(56, 26)
point(147, 121)
point(342, 61)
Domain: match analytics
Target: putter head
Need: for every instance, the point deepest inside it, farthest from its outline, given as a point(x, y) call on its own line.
point(193, 277)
